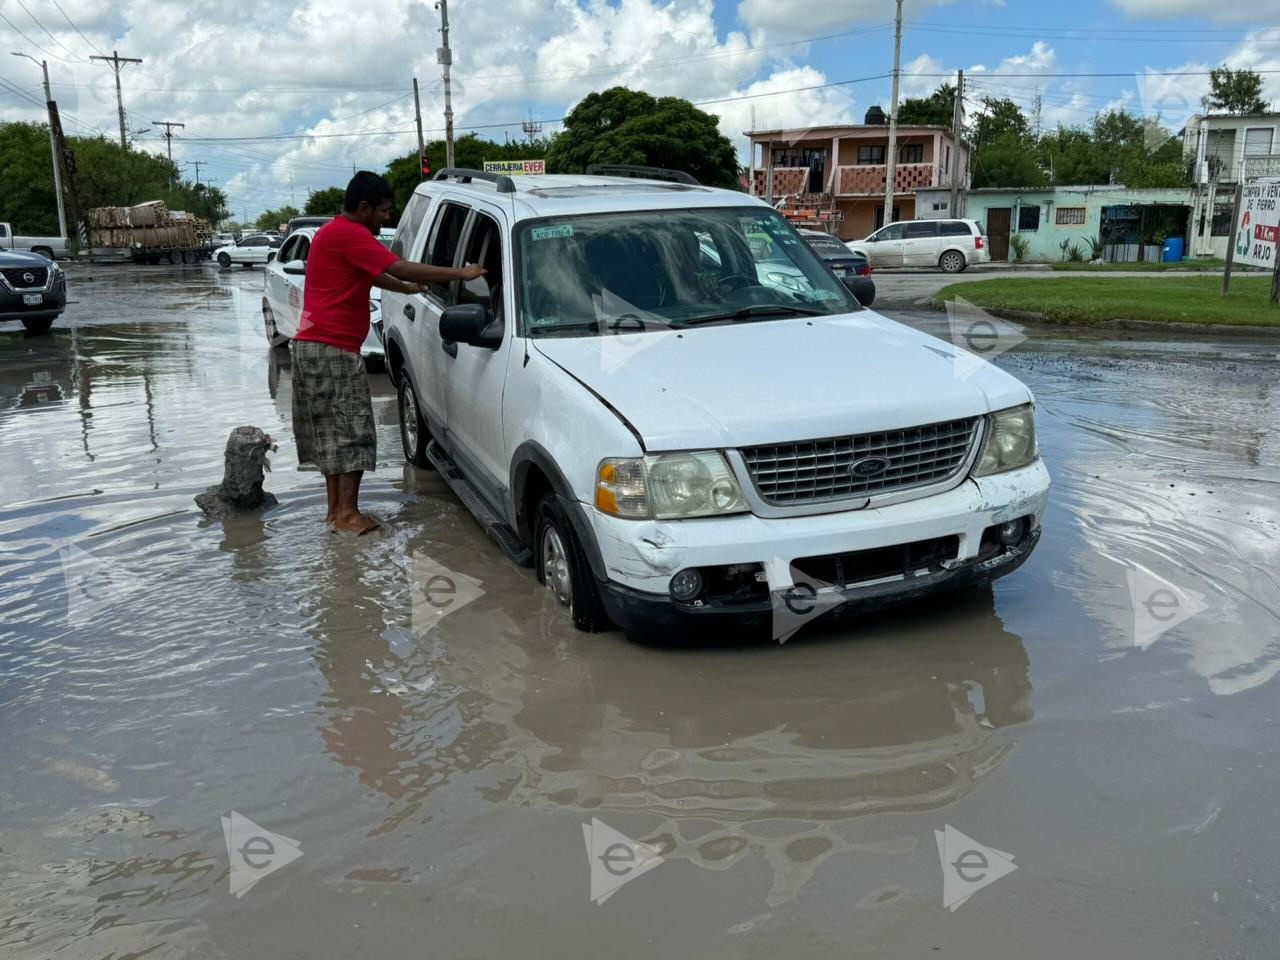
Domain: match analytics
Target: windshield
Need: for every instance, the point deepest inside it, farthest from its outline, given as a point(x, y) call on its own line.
point(651, 269)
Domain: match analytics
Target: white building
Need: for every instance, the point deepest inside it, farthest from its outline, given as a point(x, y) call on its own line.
point(1221, 147)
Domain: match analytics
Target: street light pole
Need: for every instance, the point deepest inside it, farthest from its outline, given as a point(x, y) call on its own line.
point(445, 56)
point(890, 162)
point(53, 145)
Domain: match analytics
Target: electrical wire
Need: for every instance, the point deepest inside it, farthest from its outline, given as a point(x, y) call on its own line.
point(79, 58)
point(19, 32)
point(93, 45)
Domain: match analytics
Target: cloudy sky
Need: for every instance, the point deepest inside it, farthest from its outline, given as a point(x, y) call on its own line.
point(282, 96)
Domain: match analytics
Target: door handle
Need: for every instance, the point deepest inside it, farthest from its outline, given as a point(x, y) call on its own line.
point(409, 311)
point(450, 347)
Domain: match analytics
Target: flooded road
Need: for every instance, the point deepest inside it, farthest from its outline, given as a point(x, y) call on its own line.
point(1107, 716)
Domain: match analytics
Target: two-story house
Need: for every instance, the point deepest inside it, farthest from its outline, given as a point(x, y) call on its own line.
point(1223, 148)
point(842, 169)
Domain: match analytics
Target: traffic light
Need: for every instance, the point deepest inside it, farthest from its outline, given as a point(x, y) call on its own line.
point(426, 167)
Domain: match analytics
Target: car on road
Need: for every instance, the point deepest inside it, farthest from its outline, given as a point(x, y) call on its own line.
point(949, 245)
point(282, 296)
point(249, 251)
point(33, 289)
point(844, 263)
point(49, 247)
point(670, 440)
point(306, 221)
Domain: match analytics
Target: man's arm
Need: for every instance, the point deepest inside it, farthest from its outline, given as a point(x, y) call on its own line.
point(387, 282)
point(422, 273)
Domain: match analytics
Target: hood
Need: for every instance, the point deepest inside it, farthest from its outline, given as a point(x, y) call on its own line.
point(776, 381)
point(22, 258)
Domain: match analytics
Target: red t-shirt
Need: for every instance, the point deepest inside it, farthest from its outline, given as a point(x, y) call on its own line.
point(345, 259)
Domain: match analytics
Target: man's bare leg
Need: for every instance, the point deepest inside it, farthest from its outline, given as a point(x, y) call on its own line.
point(331, 490)
point(349, 518)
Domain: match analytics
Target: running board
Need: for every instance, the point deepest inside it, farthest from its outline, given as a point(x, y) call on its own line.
point(502, 534)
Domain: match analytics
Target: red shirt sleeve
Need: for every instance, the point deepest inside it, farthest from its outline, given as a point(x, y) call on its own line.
point(366, 254)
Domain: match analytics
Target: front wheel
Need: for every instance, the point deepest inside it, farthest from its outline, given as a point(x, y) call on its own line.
point(563, 569)
point(952, 261)
point(38, 325)
point(224, 261)
point(414, 436)
point(274, 337)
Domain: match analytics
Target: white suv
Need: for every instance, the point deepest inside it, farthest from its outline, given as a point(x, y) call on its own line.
point(632, 402)
point(950, 245)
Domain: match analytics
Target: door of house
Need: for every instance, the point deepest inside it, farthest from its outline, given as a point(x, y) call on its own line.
point(998, 220)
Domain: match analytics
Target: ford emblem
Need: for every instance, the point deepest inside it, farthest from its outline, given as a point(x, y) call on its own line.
point(869, 467)
point(29, 277)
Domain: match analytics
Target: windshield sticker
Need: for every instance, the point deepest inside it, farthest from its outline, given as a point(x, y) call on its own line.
point(549, 233)
point(818, 293)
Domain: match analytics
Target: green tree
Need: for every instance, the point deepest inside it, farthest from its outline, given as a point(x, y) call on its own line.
point(273, 219)
point(1235, 91)
point(1007, 161)
point(468, 151)
point(631, 127)
point(27, 200)
point(328, 200)
point(935, 110)
point(998, 118)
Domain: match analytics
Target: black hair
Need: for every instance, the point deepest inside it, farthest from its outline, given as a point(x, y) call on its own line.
point(366, 187)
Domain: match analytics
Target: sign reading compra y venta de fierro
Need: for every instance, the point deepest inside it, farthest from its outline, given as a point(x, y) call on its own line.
point(515, 166)
point(1258, 229)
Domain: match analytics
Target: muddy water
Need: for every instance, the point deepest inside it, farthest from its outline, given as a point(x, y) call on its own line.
point(158, 672)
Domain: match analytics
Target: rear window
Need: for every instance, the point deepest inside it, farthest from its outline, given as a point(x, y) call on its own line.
point(955, 228)
point(827, 246)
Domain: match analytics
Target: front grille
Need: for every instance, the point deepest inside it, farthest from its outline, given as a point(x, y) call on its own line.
point(860, 566)
point(17, 276)
point(786, 474)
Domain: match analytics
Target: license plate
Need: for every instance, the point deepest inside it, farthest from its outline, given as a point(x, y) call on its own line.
point(33, 299)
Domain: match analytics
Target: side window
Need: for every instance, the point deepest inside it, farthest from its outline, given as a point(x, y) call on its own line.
point(304, 248)
point(484, 246)
point(893, 231)
point(921, 229)
point(4, 231)
point(254, 242)
point(289, 252)
point(409, 223)
point(442, 249)
point(956, 228)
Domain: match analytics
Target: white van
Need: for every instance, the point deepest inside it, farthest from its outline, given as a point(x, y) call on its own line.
point(949, 245)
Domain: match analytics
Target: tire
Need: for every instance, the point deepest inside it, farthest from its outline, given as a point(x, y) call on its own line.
point(43, 251)
point(224, 261)
point(188, 256)
point(952, 261)
point(270, 257)
point(38, 325)
point(563, 569)
point(274, 337)
point(414, 435)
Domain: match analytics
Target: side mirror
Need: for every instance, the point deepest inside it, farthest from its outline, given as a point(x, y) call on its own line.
point(471, 324)
point(295, 267)
point(862, 288)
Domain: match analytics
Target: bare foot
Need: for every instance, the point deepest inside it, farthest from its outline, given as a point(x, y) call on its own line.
point(357, 523)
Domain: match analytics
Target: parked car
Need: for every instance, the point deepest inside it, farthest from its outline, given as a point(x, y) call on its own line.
point(253, 249)
point(844, 263)
point(49, 247)
point(282, 295)
point(950, 245)
point(671, 441)
point(33, 289)
point(308, 221)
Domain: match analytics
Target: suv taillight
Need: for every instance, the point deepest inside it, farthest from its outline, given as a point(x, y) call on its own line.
point(979, 242)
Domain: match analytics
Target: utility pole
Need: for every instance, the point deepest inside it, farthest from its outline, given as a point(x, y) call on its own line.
point(532, 128)
point(444, 56)
point(198, 164)
point(168, 139)
point(890, 171)
point(53, 144)
point(117, 64)
point(293, 199)
point(417, 115)
point(957, 120)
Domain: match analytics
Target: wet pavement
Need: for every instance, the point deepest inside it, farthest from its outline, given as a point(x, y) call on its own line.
point(159, 671)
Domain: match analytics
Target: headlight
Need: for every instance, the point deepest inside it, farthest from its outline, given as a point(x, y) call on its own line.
point(1010, 441)
point(668, 486)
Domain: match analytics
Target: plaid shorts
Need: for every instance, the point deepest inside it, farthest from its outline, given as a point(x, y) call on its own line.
point(332, 412)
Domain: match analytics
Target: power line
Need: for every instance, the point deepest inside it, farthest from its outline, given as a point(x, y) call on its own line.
point(50, 35)
point(19, 32)
point(75, 28)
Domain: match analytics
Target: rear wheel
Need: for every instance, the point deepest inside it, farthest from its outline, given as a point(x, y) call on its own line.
point(43, 251)
point(414, 435)
point(224, 261)
point(274, 337)
point(952, 261)
point(563, 568)
point(38, 325)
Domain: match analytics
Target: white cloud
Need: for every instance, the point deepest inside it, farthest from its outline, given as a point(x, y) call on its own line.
point(793, 18)
point(1232, 10)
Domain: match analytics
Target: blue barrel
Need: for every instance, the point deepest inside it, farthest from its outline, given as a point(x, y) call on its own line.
point(1173, 250)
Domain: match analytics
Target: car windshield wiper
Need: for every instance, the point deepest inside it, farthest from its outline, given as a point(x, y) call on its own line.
point(755, 310)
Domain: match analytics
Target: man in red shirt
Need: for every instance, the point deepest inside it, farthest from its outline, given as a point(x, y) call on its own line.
point(332, 411)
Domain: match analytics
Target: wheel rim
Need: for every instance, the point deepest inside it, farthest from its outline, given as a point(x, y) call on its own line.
point(555, 566)
point(270, 322)
point(409, 420)
point(952, 261)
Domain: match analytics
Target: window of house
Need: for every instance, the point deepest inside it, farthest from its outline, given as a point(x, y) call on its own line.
point(871, 153)
point(946, 166)
point(1068, 216)
point(880, 216)
point(1222, 220)
point(911, 153)
point(1257, 141)
point(940, 206)
point(442, 249)
point(1029, 218)
point(484, 246)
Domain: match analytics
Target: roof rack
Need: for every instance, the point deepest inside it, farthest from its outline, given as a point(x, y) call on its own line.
point(501, 182)
point(644, 173)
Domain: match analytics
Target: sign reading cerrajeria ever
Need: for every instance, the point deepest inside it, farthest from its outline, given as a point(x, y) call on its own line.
point(1258, 229)
point(515, 166)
